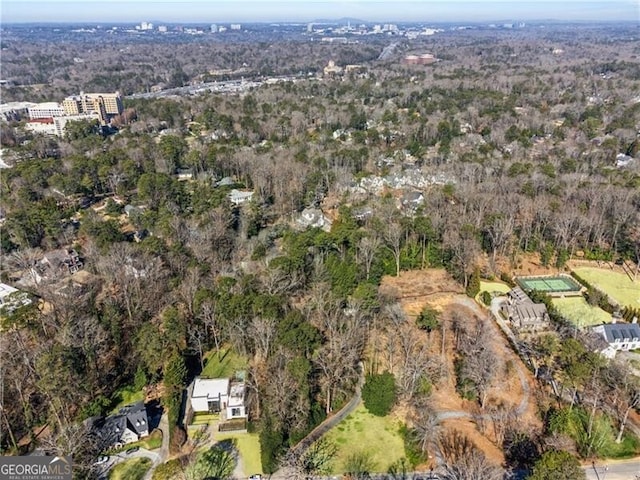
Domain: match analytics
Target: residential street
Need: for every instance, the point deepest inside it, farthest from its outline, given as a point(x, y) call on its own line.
point(614, 470)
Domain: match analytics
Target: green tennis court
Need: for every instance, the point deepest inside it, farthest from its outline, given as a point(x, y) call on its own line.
point(549, 284)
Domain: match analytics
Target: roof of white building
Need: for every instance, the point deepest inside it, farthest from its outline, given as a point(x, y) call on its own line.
point(6, 290)
point(210, 387)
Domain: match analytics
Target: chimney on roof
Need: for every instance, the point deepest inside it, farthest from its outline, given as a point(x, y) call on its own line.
point(614, 319)
point(635, 320)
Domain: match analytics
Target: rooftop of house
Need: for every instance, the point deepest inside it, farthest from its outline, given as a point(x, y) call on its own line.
point(133, 417)
point(519, 296)
point(6, 290)
point(530, 310)
point(236, 394)
point(619, 332)
point(210, 387)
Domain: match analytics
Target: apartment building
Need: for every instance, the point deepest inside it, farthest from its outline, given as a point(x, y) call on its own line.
point(45, 110)
point(106, 105)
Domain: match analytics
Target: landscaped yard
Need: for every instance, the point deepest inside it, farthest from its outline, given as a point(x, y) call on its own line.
point(615, 284)
point(205, 418)
point(126, 396)
point(364, 432)
point(133, 469)
point(580, 313)
point(151, 442)
point(225, 366)
point(486, 286)
point(248, 444)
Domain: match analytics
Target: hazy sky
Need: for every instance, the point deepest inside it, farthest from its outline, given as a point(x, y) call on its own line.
point(211, 11)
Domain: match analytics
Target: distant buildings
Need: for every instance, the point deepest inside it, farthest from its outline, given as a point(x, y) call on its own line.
point(45, 110)
point(15, 110)
point(332, 68)
point(145, 26)
point(106, 105)
point(423, 59)
point(56, 125)
point(50, 118)
point(235, 26)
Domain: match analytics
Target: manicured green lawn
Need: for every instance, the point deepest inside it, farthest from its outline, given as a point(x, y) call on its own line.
point(151, 442)
point(126, 396)
point(486, 286)
point(225, 366)
point(248, 444)
point(361, 431)
point(617, 285)
point(579, 312)
point(205, 418)
point(133, 469)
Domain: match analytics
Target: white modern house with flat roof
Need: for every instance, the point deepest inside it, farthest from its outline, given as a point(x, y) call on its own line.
point(218, 395)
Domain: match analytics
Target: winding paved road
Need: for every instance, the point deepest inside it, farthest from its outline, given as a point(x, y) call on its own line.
point(331, 422)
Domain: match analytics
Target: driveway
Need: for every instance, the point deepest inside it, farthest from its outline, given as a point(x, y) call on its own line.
point(163, 454)
point(103, 470)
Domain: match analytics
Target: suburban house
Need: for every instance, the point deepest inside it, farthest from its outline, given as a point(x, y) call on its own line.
point(64, 260)
point(238, 197)
point(523, 313)
point(12, 298)
point(619, 336)
point(129, 425)
point(218, 395)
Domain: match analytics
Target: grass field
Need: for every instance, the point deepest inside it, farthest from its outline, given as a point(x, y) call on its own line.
point(225, 366)
point(248, 444)
point(134, 469)
point(486, 286)
point(617, 285)
point(126, 396)
point(579, 312)
point(362, 431)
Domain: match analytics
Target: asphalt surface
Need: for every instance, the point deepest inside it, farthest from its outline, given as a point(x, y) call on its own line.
point(614, 470)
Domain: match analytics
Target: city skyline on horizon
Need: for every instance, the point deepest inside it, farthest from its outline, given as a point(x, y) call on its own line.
point(202, 11)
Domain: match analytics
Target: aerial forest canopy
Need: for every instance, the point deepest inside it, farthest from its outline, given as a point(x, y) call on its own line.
point(263, 221)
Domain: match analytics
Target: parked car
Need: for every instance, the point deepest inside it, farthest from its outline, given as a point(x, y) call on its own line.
point(257, 476)
point(101, 460)
point(131, 450)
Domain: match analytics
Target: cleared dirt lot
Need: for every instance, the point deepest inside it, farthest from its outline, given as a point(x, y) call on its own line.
point(511, 389)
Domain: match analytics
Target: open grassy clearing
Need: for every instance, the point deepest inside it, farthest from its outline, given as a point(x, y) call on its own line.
point(133, 469)
point(248, 444)
point(486, 286)
point(615, 284)
point(364, 432)
point(126, 396)
point(580, 313)
point(225, 366)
